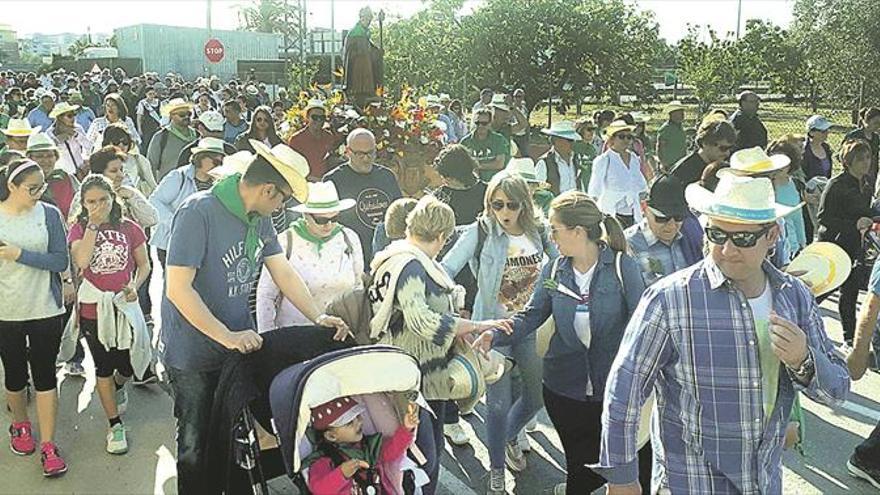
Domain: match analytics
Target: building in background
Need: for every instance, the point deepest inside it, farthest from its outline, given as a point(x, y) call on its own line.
point(166, 49)
point(9, 53)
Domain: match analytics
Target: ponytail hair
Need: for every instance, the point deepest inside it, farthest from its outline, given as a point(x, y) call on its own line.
point(576, 209)
point(17, 178)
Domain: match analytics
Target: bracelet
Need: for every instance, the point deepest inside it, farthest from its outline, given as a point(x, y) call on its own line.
point(806, 368)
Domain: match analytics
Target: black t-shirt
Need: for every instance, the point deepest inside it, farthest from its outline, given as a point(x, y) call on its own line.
point(466, 203)
point(373, 192)
point(689, 169)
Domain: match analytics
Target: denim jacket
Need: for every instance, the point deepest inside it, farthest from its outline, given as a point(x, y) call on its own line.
point(488, 265)
point(568, 363)
point(175, 187)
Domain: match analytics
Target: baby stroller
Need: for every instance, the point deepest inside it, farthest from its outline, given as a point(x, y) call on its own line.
point(378, 376)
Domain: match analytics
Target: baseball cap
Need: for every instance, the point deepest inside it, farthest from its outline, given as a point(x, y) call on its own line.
point(666, 196)
point(818, 123)
point(212, 120)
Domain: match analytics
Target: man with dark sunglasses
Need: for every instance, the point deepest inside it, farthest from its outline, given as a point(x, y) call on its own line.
point(314, 141)
point(727, 342)
point(489, 148)
point(656, 241)
point(715, 139)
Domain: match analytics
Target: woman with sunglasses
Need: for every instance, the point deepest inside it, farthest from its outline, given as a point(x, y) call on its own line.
point(845, 215)
point(184, 181)
point(33, 255)
point(115, 110)
point(262, 128)
point(617, 182)
point(70, 138)
point(505, 249)
point(138, 171)
point(326, 255)
point(591, 291)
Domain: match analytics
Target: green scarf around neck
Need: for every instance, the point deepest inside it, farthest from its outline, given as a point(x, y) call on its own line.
point(301, 230)
point(189, 137)
point(226, 191)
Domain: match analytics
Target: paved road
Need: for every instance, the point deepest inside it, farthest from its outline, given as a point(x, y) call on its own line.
point(149, 466)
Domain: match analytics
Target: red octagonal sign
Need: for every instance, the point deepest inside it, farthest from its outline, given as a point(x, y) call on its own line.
point(214, 50)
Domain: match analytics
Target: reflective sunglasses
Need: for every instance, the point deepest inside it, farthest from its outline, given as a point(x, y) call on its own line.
point(324, 220)
point(739, 239)
point(660, 217)
point(498, 205)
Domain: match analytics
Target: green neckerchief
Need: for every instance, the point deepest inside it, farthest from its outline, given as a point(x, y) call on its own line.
point(226, 190)
point(186, 138)
point(299, 226)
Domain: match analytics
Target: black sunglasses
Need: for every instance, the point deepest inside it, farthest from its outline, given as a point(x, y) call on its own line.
point(325, 220)
point(318, 118)
point(498, 205)
point(483, 122)
point(661, 218)
point(625, 137)
point(739, 239)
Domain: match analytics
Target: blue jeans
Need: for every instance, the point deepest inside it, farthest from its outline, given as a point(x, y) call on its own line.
point(429, 439)
point(506, 415)
point(193, 398)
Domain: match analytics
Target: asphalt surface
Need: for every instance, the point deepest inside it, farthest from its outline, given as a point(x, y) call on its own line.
point(149, 466)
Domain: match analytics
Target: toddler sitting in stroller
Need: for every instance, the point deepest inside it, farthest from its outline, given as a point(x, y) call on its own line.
point(346, 461)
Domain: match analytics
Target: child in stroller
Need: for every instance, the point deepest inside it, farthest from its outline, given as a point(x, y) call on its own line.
point(345, 460)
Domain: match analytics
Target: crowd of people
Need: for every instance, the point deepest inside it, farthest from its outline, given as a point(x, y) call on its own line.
point(638, 286)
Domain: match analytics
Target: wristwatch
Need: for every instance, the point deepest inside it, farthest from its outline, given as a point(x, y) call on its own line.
point(807, 368)
point(93, 227)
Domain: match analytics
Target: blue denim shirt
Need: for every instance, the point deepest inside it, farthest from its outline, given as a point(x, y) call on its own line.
point(568, 364)
point(488, 265)
point(655, 258)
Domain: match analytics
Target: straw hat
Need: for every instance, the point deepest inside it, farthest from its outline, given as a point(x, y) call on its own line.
point(314, 103)
point(20, 128)
point(175, 104)
point(823, 266)
point(236, 163)
point(498, 101)
point(209, 144)
point(323, 198)
point(617, 126)
point(290, 164)
point(61, 109)
point(673, 106)
point(524, 167)
point(564, 129)
point(470, 372)
point(754, 161)
point(736, 199)
point(212, 120)
point(40, 141)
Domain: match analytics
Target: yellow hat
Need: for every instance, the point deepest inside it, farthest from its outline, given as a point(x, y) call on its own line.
point(823, 266)
point(617, 126)
point(20, 128)
point(291, 165)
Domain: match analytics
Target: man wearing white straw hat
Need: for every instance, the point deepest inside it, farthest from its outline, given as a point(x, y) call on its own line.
point(559, 166)
point(725, 344)
point(220, 240)
point(671, 138)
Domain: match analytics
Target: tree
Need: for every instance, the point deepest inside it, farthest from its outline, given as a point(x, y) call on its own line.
point(714, 66)
point(271, 16)
point(79, 47)
point(776, 57)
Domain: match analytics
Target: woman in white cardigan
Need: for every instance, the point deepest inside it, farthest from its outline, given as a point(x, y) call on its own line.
point(327, 255)
point(616, 182)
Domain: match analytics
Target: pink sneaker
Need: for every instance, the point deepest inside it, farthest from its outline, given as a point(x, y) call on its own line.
point(21, 441)
point(53, 463)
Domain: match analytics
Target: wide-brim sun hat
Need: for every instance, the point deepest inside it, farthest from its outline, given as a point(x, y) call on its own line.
point(467, 382)
point(291, 165)
point(498, 101)
point(738, 199)
point(673, 106)
point(617, 126)
point(755, 161)
point(324, 198)
point(175, 104)
point(209, 145)
point(823, 266)
point(523, 167)
point(564, 129)
point(40, 141)
point(61, 109)
point(236, 163)
point(20, 128)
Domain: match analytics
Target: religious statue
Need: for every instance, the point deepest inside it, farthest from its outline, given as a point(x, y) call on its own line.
point(362, 61)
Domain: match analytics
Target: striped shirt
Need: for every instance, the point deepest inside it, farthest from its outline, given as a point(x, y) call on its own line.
point(692, 339)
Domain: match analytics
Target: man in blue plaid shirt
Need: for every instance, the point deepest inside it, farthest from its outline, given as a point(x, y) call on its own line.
point(725, 344)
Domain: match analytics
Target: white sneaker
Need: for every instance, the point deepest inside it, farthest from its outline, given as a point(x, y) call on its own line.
point(559, 489)
point(533, 424)
point(121, 400)
point(496, 485)
point(117, 443)
point(514, 457)
point(456, 434)
point(522, 441)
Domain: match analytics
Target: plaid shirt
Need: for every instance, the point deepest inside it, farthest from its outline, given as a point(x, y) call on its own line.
point(692, 339)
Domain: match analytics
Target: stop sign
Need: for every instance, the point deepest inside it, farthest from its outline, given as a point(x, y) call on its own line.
point(214, 50)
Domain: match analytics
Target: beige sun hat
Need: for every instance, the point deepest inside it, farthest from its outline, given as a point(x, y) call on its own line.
point(236, 163)
point(61, 109)
point(209, 144)
point(755, 161)
point(673, 106)
point(175, 104)
point(823, 266)
point(20, 128)
point(40, 141)
point(736, 199)
point(617, 126)
point(324, 198)
point(291, 165)
point(523, 167)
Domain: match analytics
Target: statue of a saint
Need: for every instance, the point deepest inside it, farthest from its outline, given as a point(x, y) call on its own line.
point(362, 61)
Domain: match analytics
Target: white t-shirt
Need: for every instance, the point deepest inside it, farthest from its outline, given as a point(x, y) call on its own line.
point(582, 313)
point(521, 271)
point(761, 307)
